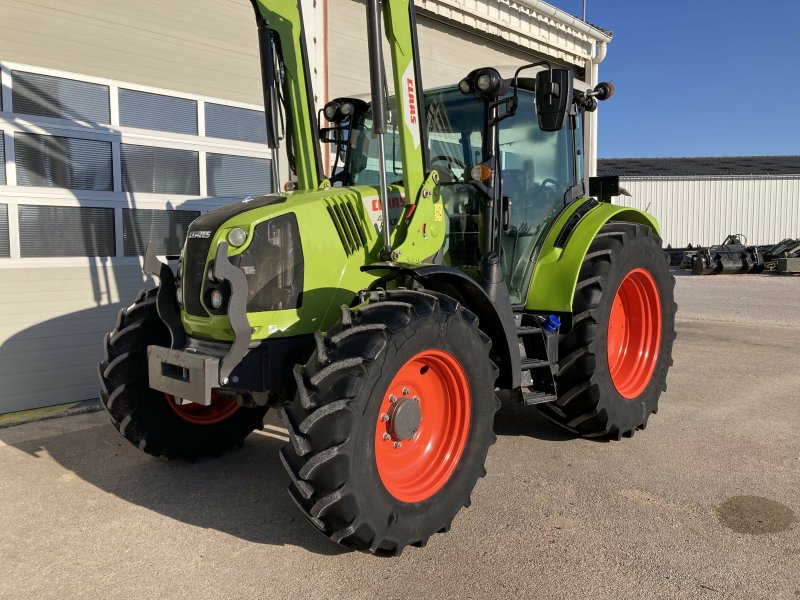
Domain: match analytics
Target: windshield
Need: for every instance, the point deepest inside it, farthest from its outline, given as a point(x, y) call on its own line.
point(455, 140)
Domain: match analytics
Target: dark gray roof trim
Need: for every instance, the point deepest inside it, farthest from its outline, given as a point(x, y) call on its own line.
point(709, 166)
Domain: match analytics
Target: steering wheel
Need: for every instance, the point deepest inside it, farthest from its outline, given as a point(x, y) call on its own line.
point(549, 181)
point(451, 160)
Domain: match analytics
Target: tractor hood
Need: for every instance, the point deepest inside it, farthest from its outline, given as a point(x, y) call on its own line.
point(301, 255)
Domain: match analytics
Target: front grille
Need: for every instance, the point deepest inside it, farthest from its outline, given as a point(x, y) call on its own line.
point(347, 223)
point(194, 265)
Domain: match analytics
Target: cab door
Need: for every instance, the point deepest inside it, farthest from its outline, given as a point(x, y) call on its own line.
point(538, 178)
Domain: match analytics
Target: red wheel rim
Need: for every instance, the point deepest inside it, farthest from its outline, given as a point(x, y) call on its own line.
point(634, 333)
point(197, 414)
point(415, 469)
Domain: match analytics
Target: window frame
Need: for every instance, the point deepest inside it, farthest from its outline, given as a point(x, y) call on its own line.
point(13, 195)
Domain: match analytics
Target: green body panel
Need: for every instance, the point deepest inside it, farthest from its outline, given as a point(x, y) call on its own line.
point(556, 272)
point(332, 276)
point(285, 19)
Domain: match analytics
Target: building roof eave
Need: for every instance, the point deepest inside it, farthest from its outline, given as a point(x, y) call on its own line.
point(530, 24)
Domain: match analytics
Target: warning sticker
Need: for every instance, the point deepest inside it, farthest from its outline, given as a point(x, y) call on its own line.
point(438, 212)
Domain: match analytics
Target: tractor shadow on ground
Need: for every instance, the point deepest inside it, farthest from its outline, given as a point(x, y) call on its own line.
point(515, 419)
point(241, 493)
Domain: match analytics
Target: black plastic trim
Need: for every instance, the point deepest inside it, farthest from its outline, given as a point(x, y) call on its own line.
point(572, 222)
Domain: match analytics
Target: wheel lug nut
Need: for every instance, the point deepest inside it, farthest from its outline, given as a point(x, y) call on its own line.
point(392, 398)
point(406, 391)
point(398, 444)
point(416, 398)
point(387, 437)
point(384, 417)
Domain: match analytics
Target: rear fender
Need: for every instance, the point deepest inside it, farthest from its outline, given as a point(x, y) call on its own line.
point(556, 272)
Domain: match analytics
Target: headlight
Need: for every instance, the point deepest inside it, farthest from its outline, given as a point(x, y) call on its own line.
point(237, 237)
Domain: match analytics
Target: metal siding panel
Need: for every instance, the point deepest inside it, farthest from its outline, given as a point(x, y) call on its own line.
point(157, 111)
point(5, 249)
point(705, 210)
point(48, 96)
point(160, 170)
point(233, 123)
point(2, 156)
point(230, 175)
point(167, 229)
point(204, 47)
point(41, 332)
point(54, 161)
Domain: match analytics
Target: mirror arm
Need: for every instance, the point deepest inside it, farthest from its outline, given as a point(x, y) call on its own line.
point(524, 67)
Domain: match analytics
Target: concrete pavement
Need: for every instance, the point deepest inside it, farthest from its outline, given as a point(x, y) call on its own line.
point(703, 504)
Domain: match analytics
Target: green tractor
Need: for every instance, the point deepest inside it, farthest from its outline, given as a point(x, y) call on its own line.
point(452, 256)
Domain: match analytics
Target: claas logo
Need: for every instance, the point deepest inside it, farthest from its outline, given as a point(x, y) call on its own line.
point(396, 202)
point(412, 101)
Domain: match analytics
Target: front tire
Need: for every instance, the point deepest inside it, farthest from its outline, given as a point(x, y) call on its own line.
point(392, 422)
point(614, 361)
point(152, 420)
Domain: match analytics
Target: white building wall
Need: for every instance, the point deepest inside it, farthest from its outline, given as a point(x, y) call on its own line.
point(54, 311)
point(704, 210)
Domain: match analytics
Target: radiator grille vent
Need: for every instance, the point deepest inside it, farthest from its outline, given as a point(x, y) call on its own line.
point(348, 224)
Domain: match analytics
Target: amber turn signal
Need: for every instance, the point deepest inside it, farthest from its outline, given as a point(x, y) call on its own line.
point(481, 172)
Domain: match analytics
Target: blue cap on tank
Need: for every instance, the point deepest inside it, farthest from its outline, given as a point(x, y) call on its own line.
point(551, 323)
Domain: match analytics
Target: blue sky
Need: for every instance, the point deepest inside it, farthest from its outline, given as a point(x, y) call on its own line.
point(700, 78)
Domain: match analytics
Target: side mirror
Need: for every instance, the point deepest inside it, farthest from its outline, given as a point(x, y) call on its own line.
point(553, 97)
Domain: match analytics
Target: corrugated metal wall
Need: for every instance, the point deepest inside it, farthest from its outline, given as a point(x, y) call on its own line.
point(705, 210)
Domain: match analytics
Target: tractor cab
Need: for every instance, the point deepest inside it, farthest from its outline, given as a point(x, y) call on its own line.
point(540, 172)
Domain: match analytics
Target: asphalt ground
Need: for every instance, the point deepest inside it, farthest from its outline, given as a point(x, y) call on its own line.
point(702, 504)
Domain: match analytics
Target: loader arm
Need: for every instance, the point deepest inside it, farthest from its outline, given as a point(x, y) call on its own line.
point(283, 22)
point(419, 234)
point(400, 27)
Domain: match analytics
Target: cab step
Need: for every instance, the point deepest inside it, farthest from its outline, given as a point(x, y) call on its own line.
point(534, 363)
point(531, 398)
point(528, 330)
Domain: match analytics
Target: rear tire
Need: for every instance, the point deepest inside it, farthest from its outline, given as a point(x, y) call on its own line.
point(144, 416)
point(609, 381)
point(344, 466)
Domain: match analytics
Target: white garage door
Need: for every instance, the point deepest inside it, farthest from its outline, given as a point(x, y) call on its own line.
point(447, 53)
